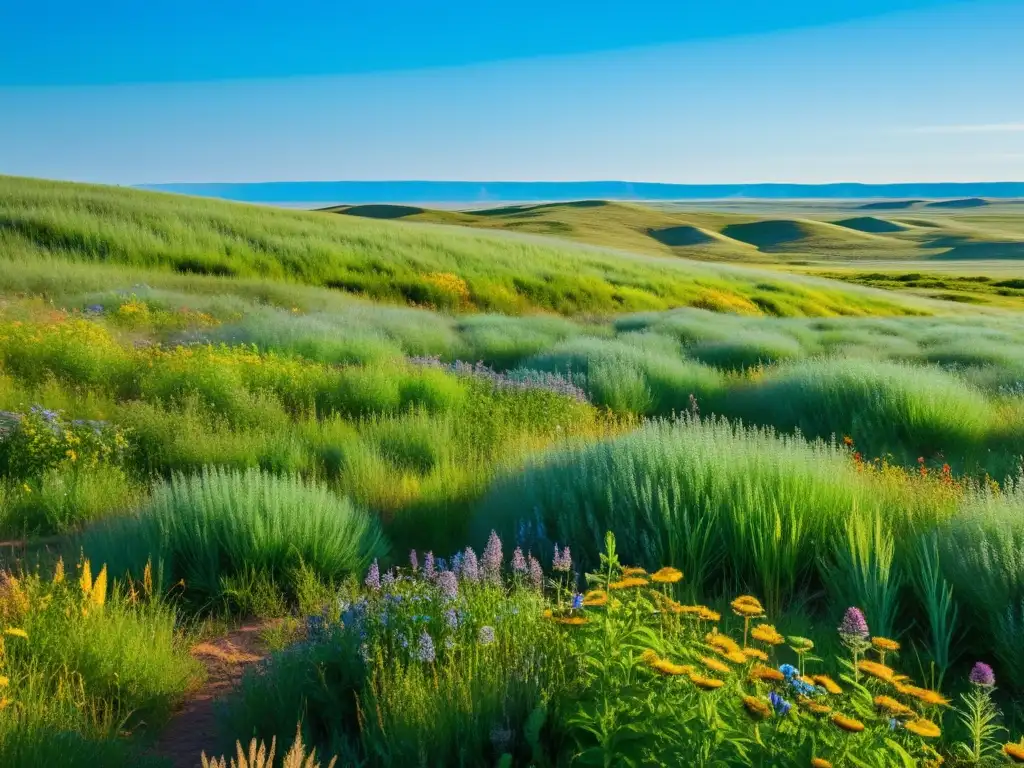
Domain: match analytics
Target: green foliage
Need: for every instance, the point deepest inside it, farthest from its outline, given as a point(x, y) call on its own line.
point(225, 523)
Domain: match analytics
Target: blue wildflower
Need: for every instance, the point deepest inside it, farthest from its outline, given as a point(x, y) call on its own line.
point(425, 651)
point(789, 671)
point(486, 635)
point(780, 705)
point(577, 601)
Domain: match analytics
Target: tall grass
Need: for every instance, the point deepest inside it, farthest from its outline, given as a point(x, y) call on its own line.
point(225, 523)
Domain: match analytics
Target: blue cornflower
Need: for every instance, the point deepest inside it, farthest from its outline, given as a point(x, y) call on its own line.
point(780, 705)
point(577, 601)
point(789, 671)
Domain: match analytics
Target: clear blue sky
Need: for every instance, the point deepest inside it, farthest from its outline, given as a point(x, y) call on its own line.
point(125, 91)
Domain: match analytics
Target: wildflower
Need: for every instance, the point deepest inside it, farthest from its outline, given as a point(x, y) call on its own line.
point(885, 645)
point(492, 559)
point(631, 570)
point(58, 571)
point(98, 595)
point(486, 635)
point(449, 585)
point(372, 577)
point(667, 576)
point(926, 729)
point(828, 684)
point(425, 650)
point(847, 723)
point(577, 601)
point(721, 642)
point(1015, 752)
point(755, 653)
point(747, 606)
point(573, 621)
point(854, 625)
point(470, 565)
point(876, 669)
point(536, 574)
point(820, 762)
point(789, 671)
point(766, 633)
point(518, 561)
point(781, 706)
point(595, 598)
point(890, 706)
point(982, 675)
point(14, 632)
point(925, 696)
point(387, 580)
point(766, 674)
point(451, 618)
point(85, 579)
point(562, 562)
point(706, 614)
point(628, 583)
point(666, 667)
point(814, 707)
point(414, 560)
point(706, 683)
point(757, 707)
point(428, 566)
point(847, 441)
point(715, 665)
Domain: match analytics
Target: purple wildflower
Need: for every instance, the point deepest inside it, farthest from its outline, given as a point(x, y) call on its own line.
point(470, 565)
point(518, 561)
point(449, 584)
point(425, 650)
point(536, 573)
point(388, 579)
point(982, 675)
point(428, 566)
point(373, 577)
point(854, 625)
point(414, 560)
point(562, 561)
point(486, 635)
point(451, 617)
point(492, 558)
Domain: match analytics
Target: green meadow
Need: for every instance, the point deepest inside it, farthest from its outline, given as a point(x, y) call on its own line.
point(579, 493)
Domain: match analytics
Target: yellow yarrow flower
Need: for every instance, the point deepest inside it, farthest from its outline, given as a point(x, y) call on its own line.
point(847, 724)
point(758, 708)
point(926, 729)
point(667, 575)
point(766, 633)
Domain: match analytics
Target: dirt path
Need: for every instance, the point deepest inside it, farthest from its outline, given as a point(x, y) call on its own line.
point(193, 729)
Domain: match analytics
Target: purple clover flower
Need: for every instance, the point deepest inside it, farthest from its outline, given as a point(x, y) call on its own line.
point(425, 650)
point(518, 561)
point(854, 625)
point(982, 675)
point(414, 560)
point(428, 566)
point(470, 565)
point(486, 635)
point(373, 577)
point(536, 572)
point(492, 558)
point(449, 584)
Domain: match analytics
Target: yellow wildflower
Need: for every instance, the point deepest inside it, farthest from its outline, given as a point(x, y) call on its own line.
point(4, 681)
point(628, 583)
point(820, 762)
point(924, 695)
point(707, 683)
point(828, 684)
point(812, 706)
point(1014, 751)
point(715, 665)
point(666, 667)
point(847, 723)
point(926, 729)
point(572, 621)
point(767, 634)
point(58, 571)
point(721, 642)
point(755, 653)
point(14, 632)
point(667, 575)
point(632, 570)
point(890, 706)
point(747, 606)
point(761, 672)
point(595, 598)
point(885, 645)
point(875, 669)
point(99, 588)
point(85, 580)
point(757, 708)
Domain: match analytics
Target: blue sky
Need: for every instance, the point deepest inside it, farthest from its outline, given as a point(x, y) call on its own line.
point(739, 91)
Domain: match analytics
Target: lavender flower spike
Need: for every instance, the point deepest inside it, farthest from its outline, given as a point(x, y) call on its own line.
point(428, 566)
point(982, 675)
point(854, 625)
point(449, 584)
point(414, 560)
point(518, 561)
point(373, 577)
point(536, 573)
point(562, 561)
point(492, 558)
point(470, 565)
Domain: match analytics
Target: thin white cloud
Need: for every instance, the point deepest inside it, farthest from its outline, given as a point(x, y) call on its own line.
point(978, 128)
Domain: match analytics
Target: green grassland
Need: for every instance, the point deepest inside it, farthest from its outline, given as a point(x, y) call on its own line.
point(220, 412)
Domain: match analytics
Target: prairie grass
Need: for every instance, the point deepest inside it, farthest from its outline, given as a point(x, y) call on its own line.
point(203, 528)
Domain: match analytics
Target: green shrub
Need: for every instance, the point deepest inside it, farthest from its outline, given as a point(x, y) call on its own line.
point(223, 523)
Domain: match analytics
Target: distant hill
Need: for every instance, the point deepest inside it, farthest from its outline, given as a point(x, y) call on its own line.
point(312, 193)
